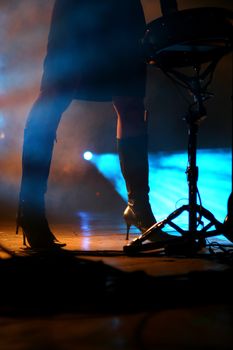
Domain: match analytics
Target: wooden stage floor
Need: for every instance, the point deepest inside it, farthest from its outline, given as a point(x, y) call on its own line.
point(94, 296)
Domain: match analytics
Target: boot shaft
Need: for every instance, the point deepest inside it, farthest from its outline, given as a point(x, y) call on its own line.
point(133, 155)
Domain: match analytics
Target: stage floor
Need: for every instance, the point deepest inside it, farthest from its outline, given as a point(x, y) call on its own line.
point(146, 301)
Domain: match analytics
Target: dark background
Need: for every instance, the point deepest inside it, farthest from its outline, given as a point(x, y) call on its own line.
point(24, 28)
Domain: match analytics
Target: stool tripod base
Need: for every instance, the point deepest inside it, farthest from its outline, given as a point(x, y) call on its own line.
point(196, 84)
point(188, 242)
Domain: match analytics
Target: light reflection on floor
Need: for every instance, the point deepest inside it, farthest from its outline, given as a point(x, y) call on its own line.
point(168, 183)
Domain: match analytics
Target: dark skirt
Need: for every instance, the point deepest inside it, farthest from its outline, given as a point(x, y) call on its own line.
point(94, 48)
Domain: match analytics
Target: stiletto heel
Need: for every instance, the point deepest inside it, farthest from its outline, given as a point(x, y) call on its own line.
point(17, 232)
point(18, 225)
point(17, 222)
point(127, 232)
point(142, 220)
point(24, 239)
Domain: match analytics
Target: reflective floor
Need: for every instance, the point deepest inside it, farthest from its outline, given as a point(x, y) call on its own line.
point(94, 296)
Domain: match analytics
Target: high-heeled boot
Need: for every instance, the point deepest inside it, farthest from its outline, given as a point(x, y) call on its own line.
point(133, 155)
point(32, 220)
point(37, 153)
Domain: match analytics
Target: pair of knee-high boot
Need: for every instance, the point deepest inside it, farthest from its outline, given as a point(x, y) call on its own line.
point(37, 154)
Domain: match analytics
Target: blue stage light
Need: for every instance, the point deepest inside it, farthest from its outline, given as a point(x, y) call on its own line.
point(168, 180)
point(87, 155)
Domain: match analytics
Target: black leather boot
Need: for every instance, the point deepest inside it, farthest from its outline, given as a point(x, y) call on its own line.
point(37, 153)
point(36, 232)
point(133, 155)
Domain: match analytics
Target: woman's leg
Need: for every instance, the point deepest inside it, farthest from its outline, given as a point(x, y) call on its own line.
point(131, 117)
point(39, 137)
point(133, 154)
